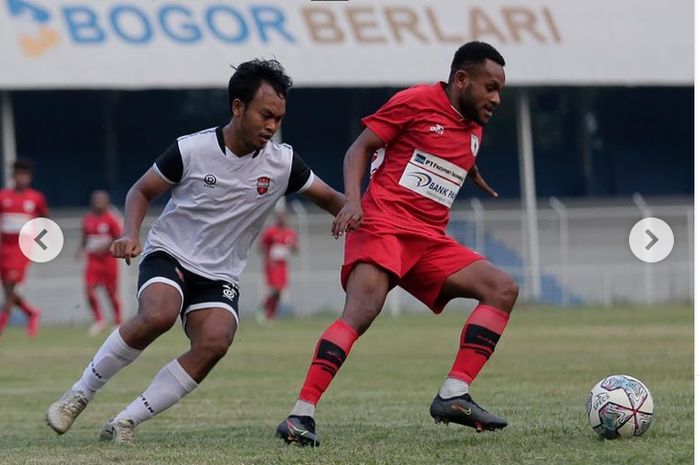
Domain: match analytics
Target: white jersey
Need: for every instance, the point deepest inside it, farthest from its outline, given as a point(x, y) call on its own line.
point(219, 201)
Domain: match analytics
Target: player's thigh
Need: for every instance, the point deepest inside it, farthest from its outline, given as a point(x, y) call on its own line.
point(211, 328)
point(426, 280)
point(483, 281)
point(159, 305)
point(161, 290)
point(366, 288)
point(210, 303)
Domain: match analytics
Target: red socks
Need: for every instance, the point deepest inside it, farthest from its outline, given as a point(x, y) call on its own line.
point(333, 347)
point(478, 341)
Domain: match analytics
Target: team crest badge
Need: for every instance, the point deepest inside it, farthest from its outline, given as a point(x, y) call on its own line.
point(263, 185)
point(475, 144)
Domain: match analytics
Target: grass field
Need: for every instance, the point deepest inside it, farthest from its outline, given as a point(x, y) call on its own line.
point(376, 411)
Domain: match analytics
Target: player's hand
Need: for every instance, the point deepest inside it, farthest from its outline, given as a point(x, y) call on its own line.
point(348, 218)
point(125, 247)
point(476, 178)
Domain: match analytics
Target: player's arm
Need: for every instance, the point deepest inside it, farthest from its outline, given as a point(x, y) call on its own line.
point(148, 188)
point(165, 172)
point(303, 181)
point(354, 170)
point(324, 196)
point(476, 178)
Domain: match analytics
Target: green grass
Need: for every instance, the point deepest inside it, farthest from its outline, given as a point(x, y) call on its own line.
point(376, 411)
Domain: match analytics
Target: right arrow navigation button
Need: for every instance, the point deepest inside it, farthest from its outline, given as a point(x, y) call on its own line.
point(654, 239)
point(651, 240)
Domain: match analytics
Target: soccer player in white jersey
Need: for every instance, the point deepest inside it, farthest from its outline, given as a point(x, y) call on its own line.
point(224, 182)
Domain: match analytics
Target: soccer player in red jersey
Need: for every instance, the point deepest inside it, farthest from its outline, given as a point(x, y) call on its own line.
point(426, 140)
point(18, 205)
point(100, 228)
point(277, 243)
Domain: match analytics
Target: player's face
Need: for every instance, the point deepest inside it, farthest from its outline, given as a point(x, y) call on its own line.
point(22, 179)
point(481, 92)
point(99, 202)
point(260, 119)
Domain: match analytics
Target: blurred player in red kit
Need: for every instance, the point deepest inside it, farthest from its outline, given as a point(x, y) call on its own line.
point(277, 243)
point(100, 228)
point(426, 139)
point(18, 205)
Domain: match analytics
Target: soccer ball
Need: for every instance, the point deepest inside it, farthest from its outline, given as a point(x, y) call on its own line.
point(620, 406)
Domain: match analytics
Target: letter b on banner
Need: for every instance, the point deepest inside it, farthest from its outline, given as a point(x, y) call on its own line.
point(82, 25)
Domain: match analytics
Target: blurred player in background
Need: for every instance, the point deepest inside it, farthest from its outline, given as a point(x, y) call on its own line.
point(100, 228)
point(278, 242)
point(427, 137)
point(18, 205)
point(224, 183)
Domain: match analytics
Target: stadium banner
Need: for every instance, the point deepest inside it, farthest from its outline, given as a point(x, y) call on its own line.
point(192, 43)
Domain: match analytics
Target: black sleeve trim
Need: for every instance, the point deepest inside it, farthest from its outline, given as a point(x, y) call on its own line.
point(299, 174)
point(169, 164)
point(220, 139)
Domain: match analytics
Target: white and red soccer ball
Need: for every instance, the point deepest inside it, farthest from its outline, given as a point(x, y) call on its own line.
point(620, 406)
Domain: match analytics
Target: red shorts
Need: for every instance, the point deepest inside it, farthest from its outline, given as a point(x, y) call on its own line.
point(102, 270)
point(420, 262)
point(276, 275)
point(13, 263)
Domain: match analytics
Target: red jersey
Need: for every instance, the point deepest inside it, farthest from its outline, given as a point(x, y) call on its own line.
point(429, 149)
point(99, 231)
point(278, 243)
point(16, 208)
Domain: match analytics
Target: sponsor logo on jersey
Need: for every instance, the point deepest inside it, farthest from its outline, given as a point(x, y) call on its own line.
point(102, 228)
point(437, 129)
point(263, 185)
point(433, 177)
point(210, 180)
point(422, 179)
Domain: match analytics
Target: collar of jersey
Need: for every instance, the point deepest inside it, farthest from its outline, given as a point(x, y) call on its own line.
point(227, 151)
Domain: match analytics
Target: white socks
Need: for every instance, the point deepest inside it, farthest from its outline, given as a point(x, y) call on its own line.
point(303, 408)
point(171, 384)
point(111, 357)
point(453, 387)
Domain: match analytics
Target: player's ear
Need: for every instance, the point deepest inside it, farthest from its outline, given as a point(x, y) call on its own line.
point(237, 108)
point(461, 79)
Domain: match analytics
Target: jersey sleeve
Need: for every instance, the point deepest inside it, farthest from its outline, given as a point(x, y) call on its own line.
point(391, 119)
point(300, 176)
point(169, 165)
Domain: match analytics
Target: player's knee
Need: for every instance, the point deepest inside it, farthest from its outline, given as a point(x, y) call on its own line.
point(157, 320)
point(507, 293)
point(214, 347)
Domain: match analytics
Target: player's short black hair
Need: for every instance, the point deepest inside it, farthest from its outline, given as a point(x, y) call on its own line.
point(22, 164)
point(246, 81)
point(473, 53)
